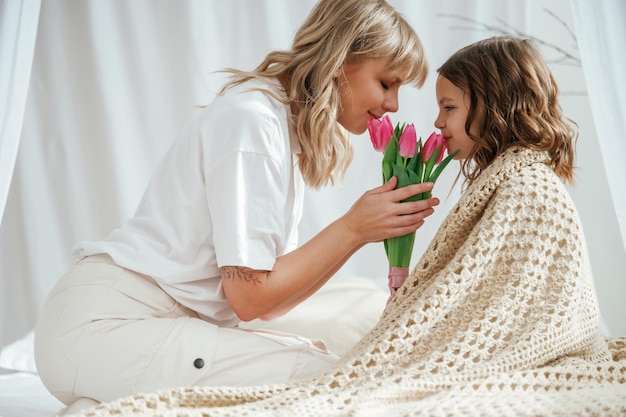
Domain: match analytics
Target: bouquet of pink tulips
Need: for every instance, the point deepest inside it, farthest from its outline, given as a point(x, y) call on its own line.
point(411, 162)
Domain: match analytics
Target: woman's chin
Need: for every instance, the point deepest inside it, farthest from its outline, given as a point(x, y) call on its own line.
point(354, 128)
point(357, 130)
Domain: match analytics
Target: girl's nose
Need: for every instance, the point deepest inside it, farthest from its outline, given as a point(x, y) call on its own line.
point(439, 122)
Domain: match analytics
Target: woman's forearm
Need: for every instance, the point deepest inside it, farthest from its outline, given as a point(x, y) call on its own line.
point(287, 305)
point(295, 276)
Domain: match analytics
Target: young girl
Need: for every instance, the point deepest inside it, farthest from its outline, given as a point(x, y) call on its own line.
point(499, 316)
point(213, 242)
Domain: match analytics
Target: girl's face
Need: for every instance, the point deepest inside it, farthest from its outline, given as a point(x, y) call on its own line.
point(453, 108)
point(367, 90)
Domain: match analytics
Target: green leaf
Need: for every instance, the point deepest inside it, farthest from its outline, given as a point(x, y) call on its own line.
point(389, 157)
point(441, 166)
point(398, 130)
point(387, 171)
point(413, 179)
point(399, 159)
point(396, 134)
point(403, 177)
point(430, 164)
point(419, 164)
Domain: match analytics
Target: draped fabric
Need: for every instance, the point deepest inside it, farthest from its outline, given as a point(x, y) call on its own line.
point(18, 30)
point(111, 84)
point(601, 29)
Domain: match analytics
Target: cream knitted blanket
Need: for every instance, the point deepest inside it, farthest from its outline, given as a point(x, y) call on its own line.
point(498, 318)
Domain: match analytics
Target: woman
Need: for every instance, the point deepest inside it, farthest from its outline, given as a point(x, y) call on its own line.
point(156, 304)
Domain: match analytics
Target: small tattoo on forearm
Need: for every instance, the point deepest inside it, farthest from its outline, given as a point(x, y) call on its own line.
point(245, 274)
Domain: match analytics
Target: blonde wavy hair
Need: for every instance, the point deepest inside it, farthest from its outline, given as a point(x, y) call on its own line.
point(335, 32)
point(514, 100)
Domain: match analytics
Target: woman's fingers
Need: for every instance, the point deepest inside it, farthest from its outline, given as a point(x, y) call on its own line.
point(411, 207)
point(410, 190)
point(381, 212)
point(402, 193)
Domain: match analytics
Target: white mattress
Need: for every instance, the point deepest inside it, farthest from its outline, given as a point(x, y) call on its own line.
point(22, 394)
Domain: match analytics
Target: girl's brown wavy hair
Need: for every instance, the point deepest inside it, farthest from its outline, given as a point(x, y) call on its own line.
point(514, 100)
point(335, 32)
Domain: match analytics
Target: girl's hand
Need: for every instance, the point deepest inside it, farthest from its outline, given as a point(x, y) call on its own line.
point(380, 213)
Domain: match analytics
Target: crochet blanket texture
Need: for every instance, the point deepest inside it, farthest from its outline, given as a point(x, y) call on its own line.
point(498, 318)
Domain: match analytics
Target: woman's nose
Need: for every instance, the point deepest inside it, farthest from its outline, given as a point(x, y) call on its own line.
point(391, 101)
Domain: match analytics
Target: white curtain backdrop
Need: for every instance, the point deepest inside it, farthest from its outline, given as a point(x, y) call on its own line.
point(113, 82)
point(18, 30)
point(601, 32)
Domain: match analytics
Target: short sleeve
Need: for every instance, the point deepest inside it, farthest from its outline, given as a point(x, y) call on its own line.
point(246, 202)
point(248, 192)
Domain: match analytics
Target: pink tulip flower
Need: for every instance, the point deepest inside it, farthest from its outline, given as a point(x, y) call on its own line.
point(408, 141)
point(431, 144)
point(381, 131)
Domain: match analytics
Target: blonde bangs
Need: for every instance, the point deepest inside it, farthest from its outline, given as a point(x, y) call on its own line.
point(391, 36)
point(408, 55)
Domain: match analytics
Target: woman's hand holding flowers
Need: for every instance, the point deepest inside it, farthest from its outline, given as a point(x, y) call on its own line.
point(380, 213)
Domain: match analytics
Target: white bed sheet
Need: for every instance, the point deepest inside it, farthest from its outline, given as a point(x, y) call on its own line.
point(22, 394)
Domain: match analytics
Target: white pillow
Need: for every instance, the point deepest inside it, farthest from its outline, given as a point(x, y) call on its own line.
point(339, 314)
point(19, 355)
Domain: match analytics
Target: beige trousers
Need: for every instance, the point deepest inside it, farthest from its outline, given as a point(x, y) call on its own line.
point(106, 332)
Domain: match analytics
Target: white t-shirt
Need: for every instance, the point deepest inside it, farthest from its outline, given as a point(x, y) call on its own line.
point(228, 192)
